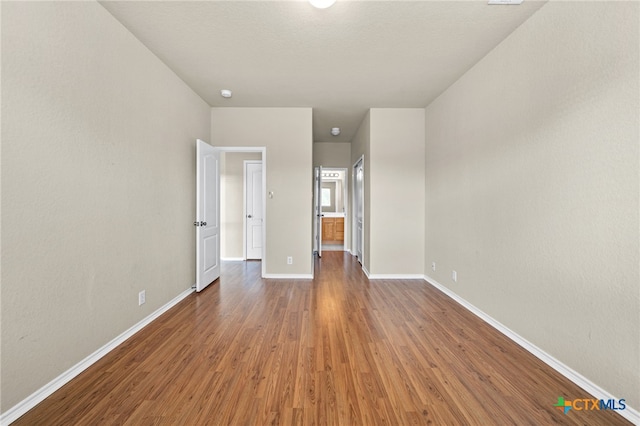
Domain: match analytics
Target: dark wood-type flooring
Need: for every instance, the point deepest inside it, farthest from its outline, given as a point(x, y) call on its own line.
point(339, 349)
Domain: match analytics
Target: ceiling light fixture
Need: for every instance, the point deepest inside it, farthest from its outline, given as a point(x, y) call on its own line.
point(322, 4)
point(335, 131)
point(505, 2)
point(225, 93)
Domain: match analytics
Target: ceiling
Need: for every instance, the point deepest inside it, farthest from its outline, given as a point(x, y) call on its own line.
point(340, 61)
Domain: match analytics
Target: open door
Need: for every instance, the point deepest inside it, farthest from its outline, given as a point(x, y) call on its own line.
point(208, 215)
point(317, 209)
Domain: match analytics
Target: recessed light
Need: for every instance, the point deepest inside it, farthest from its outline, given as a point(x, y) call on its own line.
point(506, 2)
point(335, 131)
point(225, 93)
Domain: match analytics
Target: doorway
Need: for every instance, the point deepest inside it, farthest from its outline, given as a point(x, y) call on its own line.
point(211, 204)
point(331, 208)
point(242, 194)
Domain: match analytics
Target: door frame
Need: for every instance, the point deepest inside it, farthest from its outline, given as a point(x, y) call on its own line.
point(244, 207)
point(345, 201)
point(317, 211)
point(354, 215)
point(262, 150)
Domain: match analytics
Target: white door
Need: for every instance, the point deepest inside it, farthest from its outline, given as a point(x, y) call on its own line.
point(253, 209)
point(208, 215)
point(317, 210)
point(359, 208)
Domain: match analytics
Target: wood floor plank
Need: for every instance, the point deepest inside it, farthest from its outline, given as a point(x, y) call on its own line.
point(335, 350)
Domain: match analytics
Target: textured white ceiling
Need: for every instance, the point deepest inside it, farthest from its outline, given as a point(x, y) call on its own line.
point(340, 61)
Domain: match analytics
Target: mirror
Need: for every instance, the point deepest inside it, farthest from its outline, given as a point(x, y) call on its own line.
point(332, 192)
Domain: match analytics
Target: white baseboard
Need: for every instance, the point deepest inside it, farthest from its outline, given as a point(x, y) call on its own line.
point(365, 270)
point(289, 276)
point(232, 259)
point(628, 413)
point(38, 396)
point(395, 276)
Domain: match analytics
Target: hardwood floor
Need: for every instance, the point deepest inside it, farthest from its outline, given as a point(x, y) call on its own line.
point(339, 349)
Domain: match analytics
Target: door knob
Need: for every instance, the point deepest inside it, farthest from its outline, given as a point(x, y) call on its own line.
point(249, 216)
point(203, 223)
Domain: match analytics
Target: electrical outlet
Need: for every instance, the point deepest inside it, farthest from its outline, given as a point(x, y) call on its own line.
point(289, 260)
point(454, 276)
point(433, 266)
point(142, 297)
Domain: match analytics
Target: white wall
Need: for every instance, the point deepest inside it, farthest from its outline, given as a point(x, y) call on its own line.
point(532, 188)
point(397, 191)
point(392, 142)
point(98, 186)
point(286, 134)
point(332, 154)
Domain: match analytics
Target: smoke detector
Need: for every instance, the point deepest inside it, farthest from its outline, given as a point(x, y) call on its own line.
point(225, 93)
point(335, 131)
